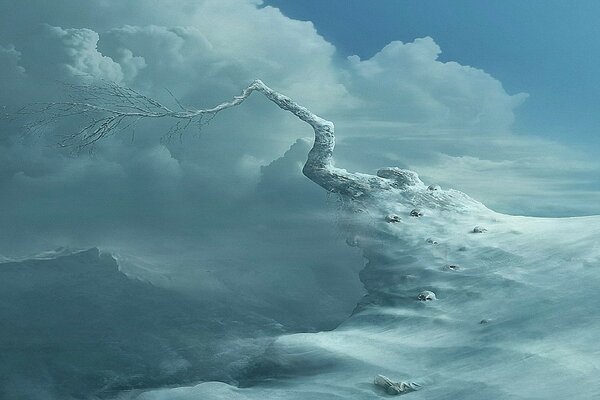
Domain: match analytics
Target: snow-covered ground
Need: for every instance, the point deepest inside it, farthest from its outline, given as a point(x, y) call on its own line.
point(516, 315)
point(74, 326)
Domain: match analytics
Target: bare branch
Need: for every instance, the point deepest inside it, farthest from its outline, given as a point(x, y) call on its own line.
point(111, 108)
point(176, 100)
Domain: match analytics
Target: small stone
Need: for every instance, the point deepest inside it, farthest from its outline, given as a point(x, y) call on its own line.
point(434, 187)
point(416, 213)
point(394, 388)
point(479, 229)
point(352, 242)
point(392, 218)
point(426, 295)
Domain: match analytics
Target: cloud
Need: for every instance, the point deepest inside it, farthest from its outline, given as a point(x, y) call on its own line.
point(406, 82)
point(73, 53)
point(9, 57)
point(403, 106)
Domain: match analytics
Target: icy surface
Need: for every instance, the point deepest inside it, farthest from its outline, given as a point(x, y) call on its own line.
point(516, 315)
point(509, 312)
point(74, 326)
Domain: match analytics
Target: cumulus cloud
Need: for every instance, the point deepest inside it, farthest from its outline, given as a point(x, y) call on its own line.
point(406, 82)
point(9, 57)
point(73, 53)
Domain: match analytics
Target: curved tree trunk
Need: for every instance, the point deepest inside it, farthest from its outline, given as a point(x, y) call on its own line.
point(112, 106)
point(319, 166)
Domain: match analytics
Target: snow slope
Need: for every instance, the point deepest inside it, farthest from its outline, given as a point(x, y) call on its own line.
point(516, 315)
point(74, 326)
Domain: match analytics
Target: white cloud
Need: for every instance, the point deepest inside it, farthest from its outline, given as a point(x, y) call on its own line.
point(9, 59)
point(76, 54)
point(406, 82)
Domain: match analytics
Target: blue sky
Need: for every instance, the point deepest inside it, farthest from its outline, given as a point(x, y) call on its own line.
point(549, 49)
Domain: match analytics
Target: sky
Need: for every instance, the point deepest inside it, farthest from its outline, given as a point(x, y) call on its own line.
point(472, 98)
point(548, 49)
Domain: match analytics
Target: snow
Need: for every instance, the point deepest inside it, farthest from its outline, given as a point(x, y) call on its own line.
point(513, 313)
point(73, 325)
point(516, 314)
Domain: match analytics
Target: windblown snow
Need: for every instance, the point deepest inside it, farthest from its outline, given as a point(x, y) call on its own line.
point(462, 302)
point(514, 312)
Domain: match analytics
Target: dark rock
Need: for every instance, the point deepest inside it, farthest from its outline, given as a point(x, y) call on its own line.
point(393, 218)
point(426, 295)
point(416, 213)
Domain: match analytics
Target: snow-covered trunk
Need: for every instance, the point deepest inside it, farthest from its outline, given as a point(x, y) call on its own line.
point(319, 166)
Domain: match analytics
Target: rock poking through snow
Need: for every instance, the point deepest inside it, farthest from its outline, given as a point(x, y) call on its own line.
point(427, 295)
point(416, 213)
point(479, 229)
point(395, 388)
point(393, 218)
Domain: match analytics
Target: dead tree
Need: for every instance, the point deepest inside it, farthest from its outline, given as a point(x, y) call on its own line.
point(113, 108)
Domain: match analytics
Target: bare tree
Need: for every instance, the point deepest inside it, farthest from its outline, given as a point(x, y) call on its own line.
point(112, 108)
